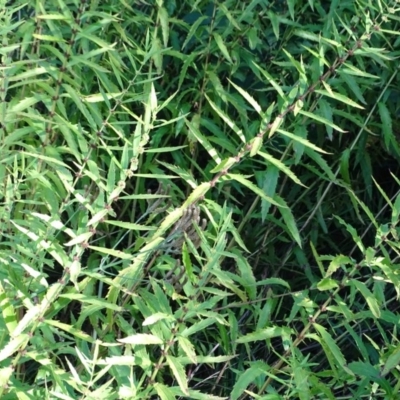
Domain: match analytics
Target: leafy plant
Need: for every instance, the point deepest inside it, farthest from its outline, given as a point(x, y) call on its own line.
point(172, 176)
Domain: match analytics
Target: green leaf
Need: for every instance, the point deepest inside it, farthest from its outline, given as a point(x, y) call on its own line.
point(352, 84)
point(188, 348)
point(271, 81)
point(179, 373)
point(247, 274)
point(83, 298)
point(14, 345)
point(141, 338)
point(83, 237)
point(321, 120)
point(164, 392)
point(331, 345)
point(256, 145)
point(241, 179)
point(392, 361)
point(339, 97)
point(222, 47)
point(197, 326)
point(112, 252)
point(131, 226)
point(275, 23)
point(386, 119)
point(48, 38)
point(289, 220)
point(281, 166)
point(268, 180)
point(71, 330)
point(321, 163)
point(156, 317)
point(226, 119)
point(203, 141)
point(224, 165)
point(344, 165)
point(248, 97)
point(369, 297)
point(336, 263)
point(193, 30)
point(8, 311)
point(244, 380)
point(327, 284)
point(353, 233)
point(163, 16)
point(264, 334)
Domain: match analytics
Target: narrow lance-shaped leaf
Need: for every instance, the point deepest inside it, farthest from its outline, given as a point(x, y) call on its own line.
point(179, 373)
point(254, 188)
point(289, 220)
point(331, 344)
point(281, 166)
point(369, 297)
point(322, 120)
point(222, 47)
point(227, 120)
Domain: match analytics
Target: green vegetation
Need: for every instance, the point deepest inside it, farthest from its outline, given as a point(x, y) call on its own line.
point(199, 199)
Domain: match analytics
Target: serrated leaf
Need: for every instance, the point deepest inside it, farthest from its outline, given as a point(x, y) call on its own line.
point(22, 105)
point(322, 120)
point(275, 23)
point(331, 344)
point(336, 263)
point(96, 301)
point(8, 311)
point(179, 373)
point(112, 252)
point(386, 119)
point(241, 179)
point(141, 338)
point(155, 318)
point(193, 30)
point(188, 348)
point(270, 80)
point(327, 284)
point(97, 217)
point(197, 326)
point(197, 193)
point(263, 334)
point(289, 220)
point(224, 165)
point(203, 141)
point(131, 226)
point(163, 15)
point(71, 330)
point(256, 144)
point(164, 392)
point(344, 165)
point(352, 84)
point(369, 297)
point(29, 318)
point(269, 181)
point(392, 361)
point(48, 38)
point(221, 44)
point(14, 345)
point(340, 97)
point(281, 166)
point(226, 119)
point(243, 381)
point(326, 110)
point(275, 125)
point(250, 99)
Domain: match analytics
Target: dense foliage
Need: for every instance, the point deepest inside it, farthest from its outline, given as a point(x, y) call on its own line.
point(199, 199)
